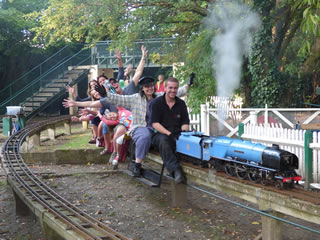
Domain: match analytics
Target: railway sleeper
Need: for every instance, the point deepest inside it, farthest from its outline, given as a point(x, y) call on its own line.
point(70, 214)
point(15, 165)
point(12, 158)
point(32, 185)
point(40, 192)
point(86, 225)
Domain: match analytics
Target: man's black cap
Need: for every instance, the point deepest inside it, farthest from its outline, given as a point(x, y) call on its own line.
point(145, 80)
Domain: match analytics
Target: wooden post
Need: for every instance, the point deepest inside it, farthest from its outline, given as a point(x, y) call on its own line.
point(24, 146)
point(266, 117)
point(21, 208)
point(73, 110)
point(179, 194)
point(307, 159)
point(271, 228)
point(34, 140)
point(253, 117)
point(85, 125)
point(241, 129)
point(52, 132)
point(67, 127)
point(205, 119)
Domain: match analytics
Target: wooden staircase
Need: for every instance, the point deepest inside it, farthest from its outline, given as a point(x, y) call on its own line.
point(51, 91)
point(46, 95)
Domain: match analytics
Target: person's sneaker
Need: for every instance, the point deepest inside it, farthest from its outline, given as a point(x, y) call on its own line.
point(115, 161)
point(136, 170)
point(92, 140)
point(104, 152)
point(100, 142)
point(113, 155)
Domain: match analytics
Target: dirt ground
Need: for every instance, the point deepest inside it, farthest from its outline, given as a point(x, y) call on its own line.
point(136, 210)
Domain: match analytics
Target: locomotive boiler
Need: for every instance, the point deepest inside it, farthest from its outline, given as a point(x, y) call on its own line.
point(240, 158)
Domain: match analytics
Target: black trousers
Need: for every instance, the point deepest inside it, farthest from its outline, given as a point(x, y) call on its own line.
point(167, 148)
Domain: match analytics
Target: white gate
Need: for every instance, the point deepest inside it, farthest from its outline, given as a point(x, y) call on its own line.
point(285, 117)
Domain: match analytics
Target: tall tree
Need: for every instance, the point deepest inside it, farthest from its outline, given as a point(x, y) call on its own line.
point(266, 78)
point(286, 41)
point(17, 55)
point(84, 21)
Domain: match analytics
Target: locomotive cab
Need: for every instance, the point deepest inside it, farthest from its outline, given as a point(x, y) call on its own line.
point(194, 144)
point(282, 160)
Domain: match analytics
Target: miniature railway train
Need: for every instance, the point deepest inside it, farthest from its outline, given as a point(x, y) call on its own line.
point(244, 159)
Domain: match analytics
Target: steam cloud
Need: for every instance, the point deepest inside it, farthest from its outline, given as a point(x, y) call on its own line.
point(235, 25)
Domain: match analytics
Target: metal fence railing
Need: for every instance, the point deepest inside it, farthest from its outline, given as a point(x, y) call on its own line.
point(82, 57)
point(105, 57)
point(74, 55)
point(36, 72)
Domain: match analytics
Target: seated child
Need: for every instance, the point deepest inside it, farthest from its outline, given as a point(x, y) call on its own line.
point(122, 121)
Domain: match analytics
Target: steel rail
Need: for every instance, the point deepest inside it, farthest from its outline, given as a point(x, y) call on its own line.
point(38, 195)
point(54, 197)
point(44, 202)
point(17, 171)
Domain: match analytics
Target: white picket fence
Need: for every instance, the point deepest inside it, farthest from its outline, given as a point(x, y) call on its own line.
point(194, 121)
point(291, 140)
point(231, 117)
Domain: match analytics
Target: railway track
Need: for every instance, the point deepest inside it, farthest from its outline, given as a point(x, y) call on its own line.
point(296, 192)
point(75, 223)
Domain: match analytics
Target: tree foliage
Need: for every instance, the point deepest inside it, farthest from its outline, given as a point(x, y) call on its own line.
point(282, 70)
point(84, 21)
point(16, 52)
point(262, 65)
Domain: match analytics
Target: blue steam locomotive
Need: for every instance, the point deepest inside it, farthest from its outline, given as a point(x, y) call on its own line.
point(243, 159)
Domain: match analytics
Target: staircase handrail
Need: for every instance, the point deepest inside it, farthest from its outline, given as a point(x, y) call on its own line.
point(141, 41)
point(4, 103)
point(104, 57)
point(53, 97)
point(39, 66)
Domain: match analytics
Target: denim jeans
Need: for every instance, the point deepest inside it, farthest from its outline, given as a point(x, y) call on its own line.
point(142, 138)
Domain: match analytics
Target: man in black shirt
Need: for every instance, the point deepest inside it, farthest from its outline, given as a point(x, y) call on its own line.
point(169, 116)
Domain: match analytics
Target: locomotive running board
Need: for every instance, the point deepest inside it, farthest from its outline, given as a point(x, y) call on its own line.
point(148, 176)
point(246, 164)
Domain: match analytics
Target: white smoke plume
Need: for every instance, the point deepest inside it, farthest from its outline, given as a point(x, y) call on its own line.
point(234, 25)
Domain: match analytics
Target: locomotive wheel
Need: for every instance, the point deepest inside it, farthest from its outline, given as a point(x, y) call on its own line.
point(219, 165)
point(254, 176)
point(230, 169)
point(264, 182)
point(241, 172)
point(279, 184)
